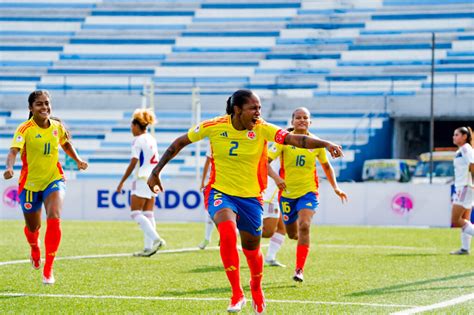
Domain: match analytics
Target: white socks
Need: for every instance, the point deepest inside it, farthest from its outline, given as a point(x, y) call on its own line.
point(208, 228)
point(466, 236)
point(148, 229)
point(275, 243)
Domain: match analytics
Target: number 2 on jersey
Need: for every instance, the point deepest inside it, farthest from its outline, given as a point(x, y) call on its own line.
point(153, 159)
point(234, 147)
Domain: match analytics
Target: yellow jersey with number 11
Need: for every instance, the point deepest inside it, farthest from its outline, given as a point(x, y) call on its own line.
point(39, 148)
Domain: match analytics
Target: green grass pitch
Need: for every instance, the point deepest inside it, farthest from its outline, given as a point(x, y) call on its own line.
point(364, 270)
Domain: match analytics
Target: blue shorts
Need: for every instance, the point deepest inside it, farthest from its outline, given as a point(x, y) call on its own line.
point(31, 201)
point(249, 210)
point(290, 207)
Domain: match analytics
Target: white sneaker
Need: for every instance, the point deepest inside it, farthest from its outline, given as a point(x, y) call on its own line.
point(237, 306)
point(203, 244)
point(274, 263)
point(49, 280)
point(298, 277)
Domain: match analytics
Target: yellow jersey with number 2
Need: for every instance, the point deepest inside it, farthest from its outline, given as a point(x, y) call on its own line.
point(239, 157)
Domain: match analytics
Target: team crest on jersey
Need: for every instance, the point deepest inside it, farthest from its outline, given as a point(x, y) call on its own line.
point(251, 134)
point(55, 133)
point(196, 130)
point(27, 206)
point(285, 218)
point(19, 138)
point(217, 202)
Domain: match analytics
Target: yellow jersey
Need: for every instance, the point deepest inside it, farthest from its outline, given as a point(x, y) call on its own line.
point(239, 157)
point(298, 168)
point(39, 148)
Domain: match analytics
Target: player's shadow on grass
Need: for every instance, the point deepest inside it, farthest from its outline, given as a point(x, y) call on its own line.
point(414, 255)
point(206, 291)
point(405, 287)
point(204, 269)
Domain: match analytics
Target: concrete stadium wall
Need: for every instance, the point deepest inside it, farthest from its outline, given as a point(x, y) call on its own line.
point(369, 203)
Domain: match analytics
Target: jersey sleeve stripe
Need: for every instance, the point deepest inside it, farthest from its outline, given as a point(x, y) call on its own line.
point(26, 126)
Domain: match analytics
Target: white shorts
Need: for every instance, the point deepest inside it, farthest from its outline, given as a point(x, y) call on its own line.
point(270, 198)
point(463, 197)
point(140, 189)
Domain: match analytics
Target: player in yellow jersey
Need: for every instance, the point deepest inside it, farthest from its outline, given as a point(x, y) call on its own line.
point(298, 183)
point(238, 176)
point(41, 179)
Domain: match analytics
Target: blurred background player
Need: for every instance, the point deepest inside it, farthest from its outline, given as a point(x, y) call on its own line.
point(462, 202)
point(144, 158)
point(273, 226)
point(239, 174)
point(298, 184)
point(209, 224)
point(42, 178)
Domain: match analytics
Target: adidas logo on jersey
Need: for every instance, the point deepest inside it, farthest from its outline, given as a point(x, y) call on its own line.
point(224, 134)
point(38, 136)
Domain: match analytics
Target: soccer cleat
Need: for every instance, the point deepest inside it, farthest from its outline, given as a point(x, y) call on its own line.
point(35, 263)
point(236, 305)
point(49, 280)
point(258, 300)
point(150, 252)
point(143, 253)
point(203, 244)
point(298, 277)
point(274, 263)
point(461, 251)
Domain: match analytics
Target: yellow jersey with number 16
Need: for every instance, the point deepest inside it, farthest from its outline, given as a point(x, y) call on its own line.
point(39, 148)
point(298, 168)
point(239, 157)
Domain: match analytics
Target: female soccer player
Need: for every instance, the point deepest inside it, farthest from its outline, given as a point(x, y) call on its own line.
point(462, 202)
point(298, 183)
point(144, 158)
point(209, 224)
point(238, 176)
point(273, 226)
point(41, 178)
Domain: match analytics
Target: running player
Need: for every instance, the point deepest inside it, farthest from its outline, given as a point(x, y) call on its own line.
point(209, 224)
point(462, 202)
point(273, 226)
point(238, 176)
point(41, 178)
point(298, 184)
point(144, 158)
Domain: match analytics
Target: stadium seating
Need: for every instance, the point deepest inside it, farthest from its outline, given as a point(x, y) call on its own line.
point(296, 49)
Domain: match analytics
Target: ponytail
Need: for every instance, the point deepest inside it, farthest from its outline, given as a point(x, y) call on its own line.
point(239, 98)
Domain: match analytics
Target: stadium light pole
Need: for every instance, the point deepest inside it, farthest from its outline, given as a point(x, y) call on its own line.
point(433, 41)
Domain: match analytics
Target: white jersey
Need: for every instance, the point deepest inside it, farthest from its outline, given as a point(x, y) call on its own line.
point(464, 157)
point(144, 149)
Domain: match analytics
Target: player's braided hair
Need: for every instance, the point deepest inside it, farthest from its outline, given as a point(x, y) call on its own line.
point(239, 98)
point(468, 132)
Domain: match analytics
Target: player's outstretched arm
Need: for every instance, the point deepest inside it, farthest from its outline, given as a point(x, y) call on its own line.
point(308, 142)
point(69, 149)
point(10, 162)
point(154, 181)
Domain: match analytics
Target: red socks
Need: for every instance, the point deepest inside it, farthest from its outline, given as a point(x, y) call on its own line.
point(32, 238)
point(301, 254)
point(51, 241)
point(230, 255)
point(255, 262)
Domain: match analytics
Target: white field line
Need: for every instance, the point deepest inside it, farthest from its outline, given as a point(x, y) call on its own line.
point(195, 249)
point(172, 298)
point(420, 309)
